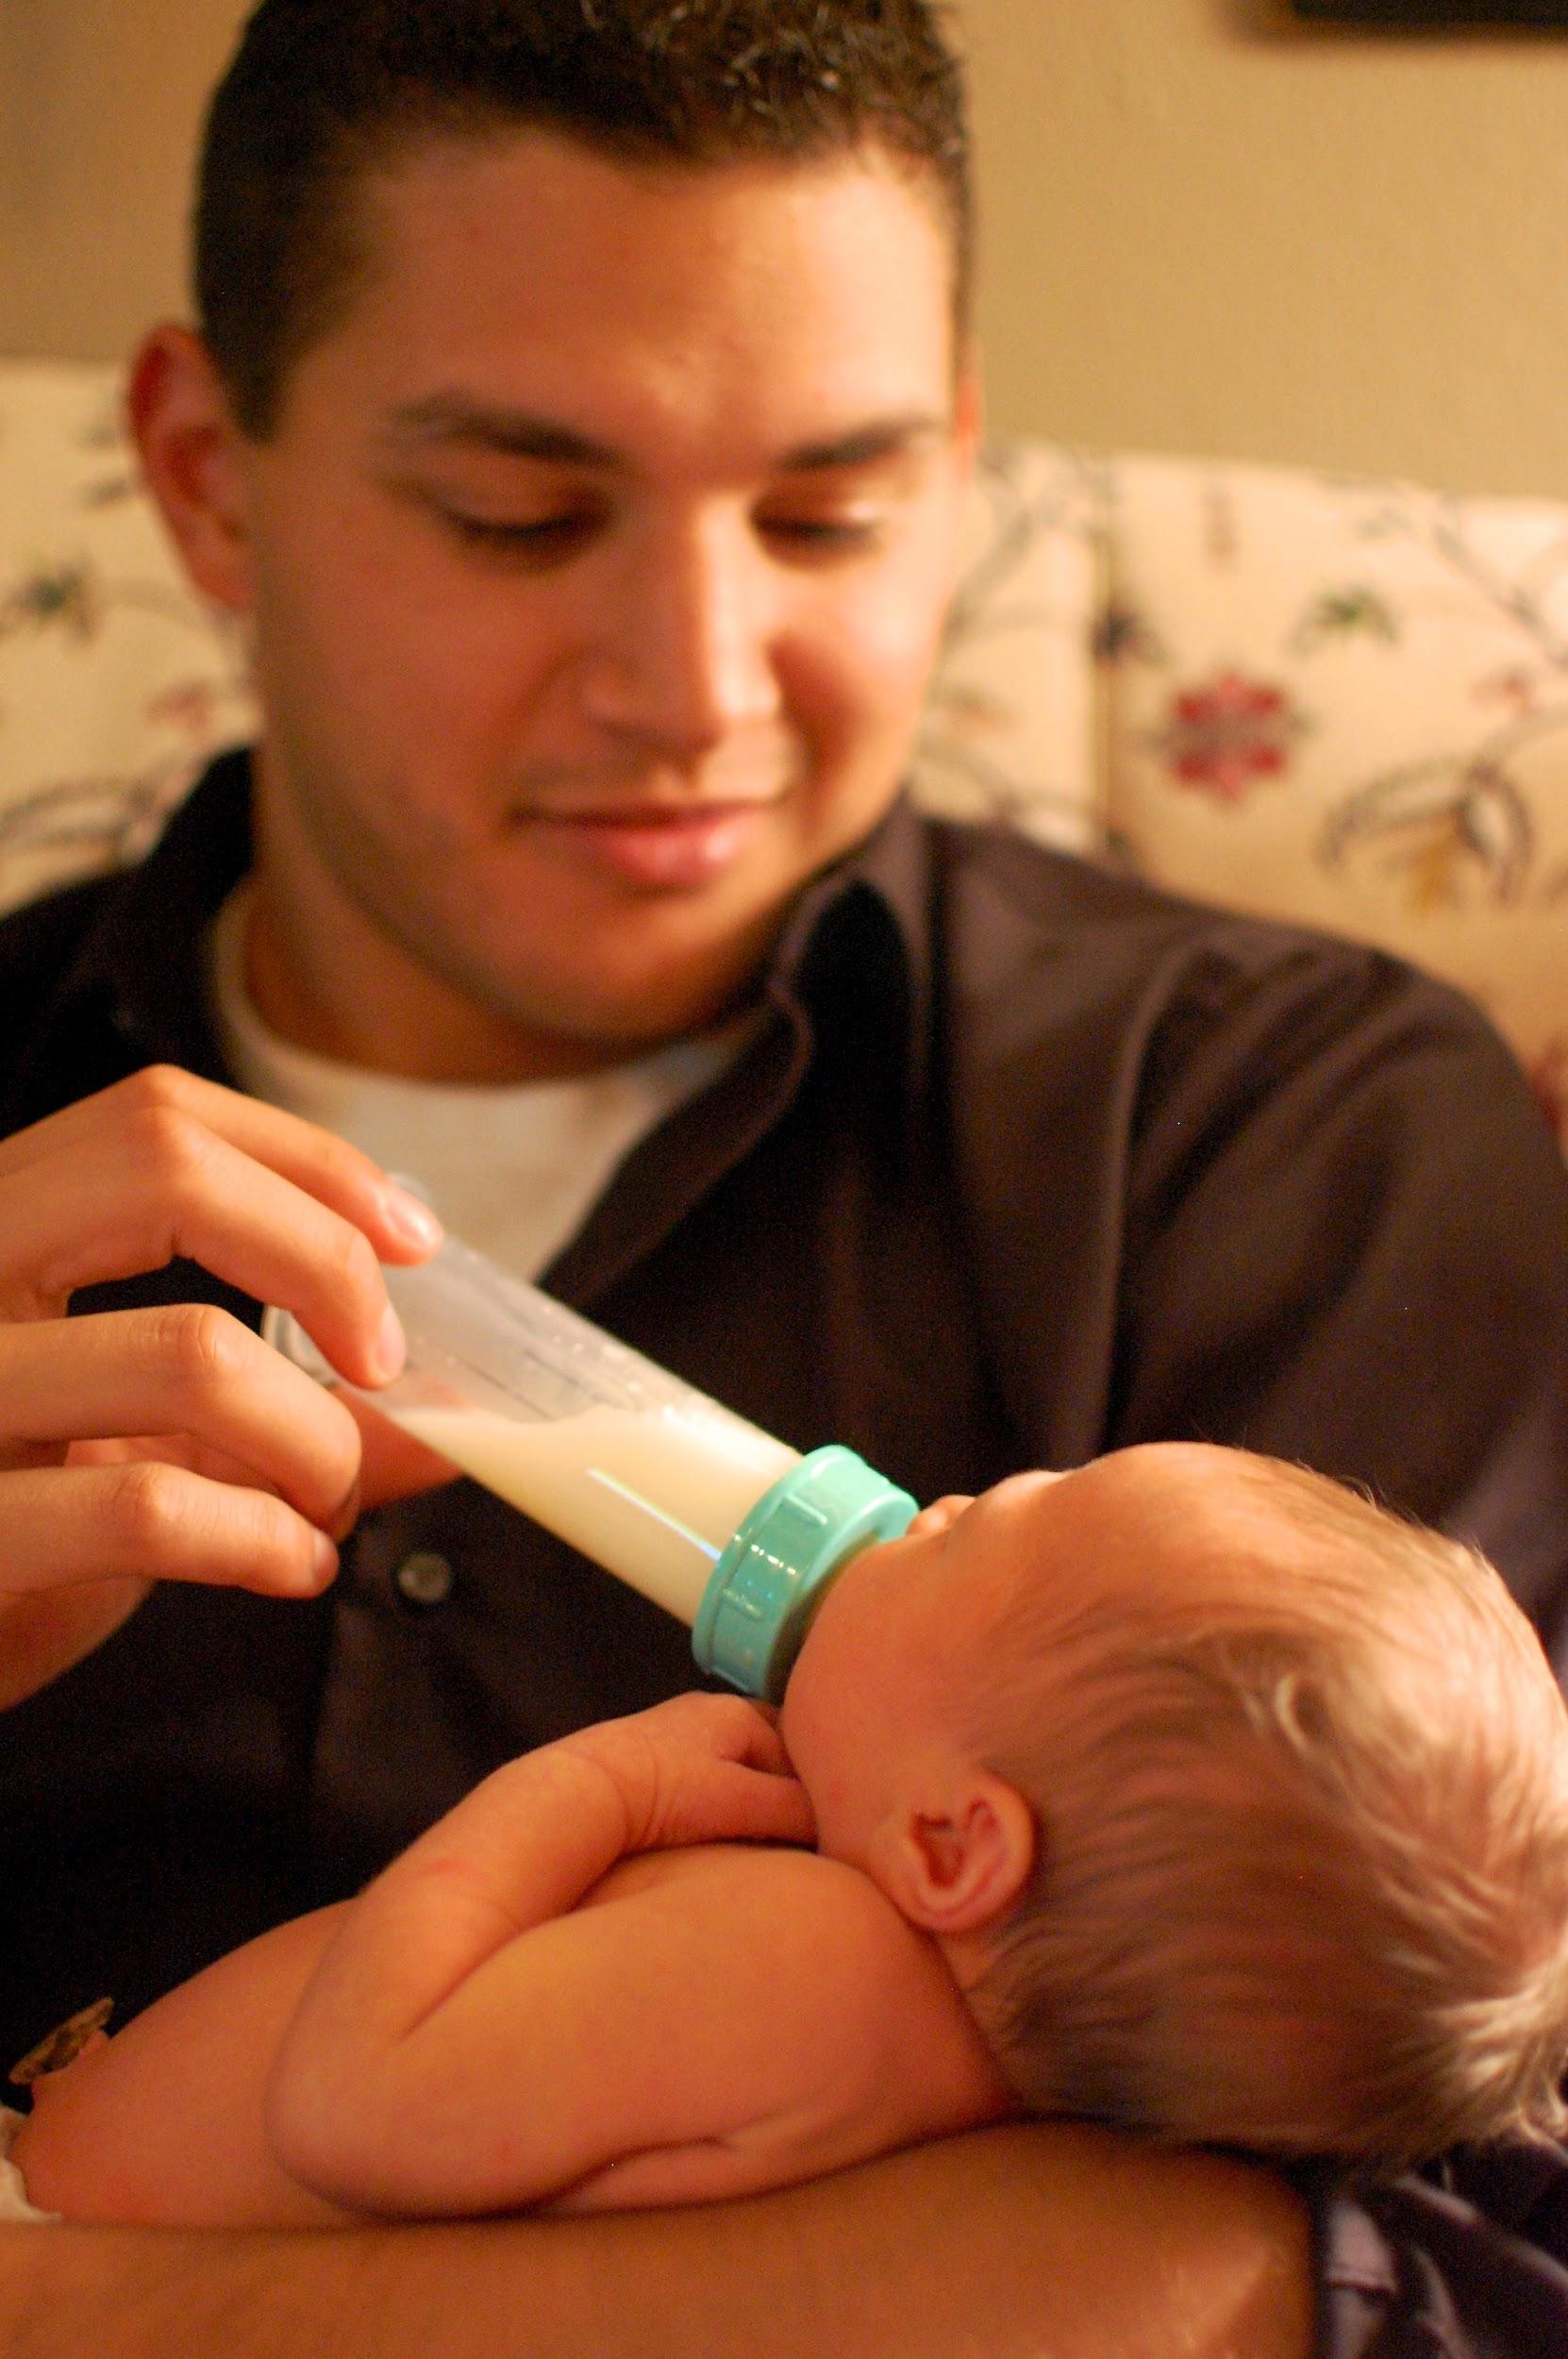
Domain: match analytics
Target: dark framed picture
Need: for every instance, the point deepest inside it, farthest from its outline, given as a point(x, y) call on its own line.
point(1433, 14)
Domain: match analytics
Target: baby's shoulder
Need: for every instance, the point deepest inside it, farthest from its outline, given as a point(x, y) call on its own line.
point(757, 1872)
point(784, 1914)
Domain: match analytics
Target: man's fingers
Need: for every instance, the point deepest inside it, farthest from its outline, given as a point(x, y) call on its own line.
point(191, 1369)
point(170, 1189)
point(324, 1166)
point(257, 1464)
point(148, 1521)
point(163, 1165)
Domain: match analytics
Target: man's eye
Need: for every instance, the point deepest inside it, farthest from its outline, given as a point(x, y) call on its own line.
point(826, 536)
point(523, 540)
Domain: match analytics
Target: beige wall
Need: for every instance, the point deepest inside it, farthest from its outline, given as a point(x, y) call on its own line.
point(1199, 236)
point(99, 104)
point(1204, 238)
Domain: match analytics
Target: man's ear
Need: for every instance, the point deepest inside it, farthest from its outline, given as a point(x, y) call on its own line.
point(189, 448)
point(955, 1868)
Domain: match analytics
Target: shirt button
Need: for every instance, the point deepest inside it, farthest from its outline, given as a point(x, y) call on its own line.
point(425, 1578)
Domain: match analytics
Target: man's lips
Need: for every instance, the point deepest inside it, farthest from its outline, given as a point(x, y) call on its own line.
point(661, 845)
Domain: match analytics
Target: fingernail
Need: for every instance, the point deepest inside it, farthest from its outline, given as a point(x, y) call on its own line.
point(413, 1221)
point(392, 1347)
point(323, 1560)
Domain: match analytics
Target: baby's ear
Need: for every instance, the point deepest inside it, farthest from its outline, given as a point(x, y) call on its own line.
point(955, 1868)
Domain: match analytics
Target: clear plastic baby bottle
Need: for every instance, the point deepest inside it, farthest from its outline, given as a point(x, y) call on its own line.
point(710, 1517)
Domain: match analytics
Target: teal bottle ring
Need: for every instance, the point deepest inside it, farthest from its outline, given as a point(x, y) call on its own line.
point(758, 1602)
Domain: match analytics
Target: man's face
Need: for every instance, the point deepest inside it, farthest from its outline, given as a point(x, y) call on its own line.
point(597, 564)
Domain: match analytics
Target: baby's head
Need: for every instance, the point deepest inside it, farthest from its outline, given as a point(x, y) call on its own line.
point(1240, 1807)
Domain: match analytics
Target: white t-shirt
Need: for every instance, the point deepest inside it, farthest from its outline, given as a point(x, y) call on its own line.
point(512, 1168)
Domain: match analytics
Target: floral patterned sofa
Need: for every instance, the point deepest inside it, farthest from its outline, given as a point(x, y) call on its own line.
point(1338, 701)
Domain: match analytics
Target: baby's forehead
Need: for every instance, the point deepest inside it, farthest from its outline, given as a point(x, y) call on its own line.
point(1156, 1515)
point(1163, 1469)
point(1152, 1488)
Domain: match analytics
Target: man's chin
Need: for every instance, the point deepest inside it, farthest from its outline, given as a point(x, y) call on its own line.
point(572, 1043)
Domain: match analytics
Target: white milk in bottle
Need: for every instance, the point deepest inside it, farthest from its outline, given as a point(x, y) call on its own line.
point(653, 1494)
point(706, 1514)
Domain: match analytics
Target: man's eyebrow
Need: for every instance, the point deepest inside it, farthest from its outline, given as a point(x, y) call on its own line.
point(448, 420)
point(456, 420)
point(863, 445)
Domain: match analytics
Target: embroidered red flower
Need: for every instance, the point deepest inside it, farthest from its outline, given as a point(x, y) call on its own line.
point(1229, 734)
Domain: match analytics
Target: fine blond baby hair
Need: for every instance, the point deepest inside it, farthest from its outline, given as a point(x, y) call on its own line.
point(1300, 1774)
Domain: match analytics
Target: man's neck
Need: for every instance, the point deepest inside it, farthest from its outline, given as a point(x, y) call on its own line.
point(397, 1022)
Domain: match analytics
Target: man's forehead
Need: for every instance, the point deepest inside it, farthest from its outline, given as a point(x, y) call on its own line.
point(557, 153)
point(563, 206)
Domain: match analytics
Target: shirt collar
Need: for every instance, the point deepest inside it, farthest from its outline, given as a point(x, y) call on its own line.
point(141, 956)
point(881, 893)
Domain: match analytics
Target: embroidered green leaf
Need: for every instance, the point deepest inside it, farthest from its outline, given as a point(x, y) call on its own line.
point(1345, 612)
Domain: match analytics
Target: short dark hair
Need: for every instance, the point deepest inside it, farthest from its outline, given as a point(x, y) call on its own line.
point(321, 92)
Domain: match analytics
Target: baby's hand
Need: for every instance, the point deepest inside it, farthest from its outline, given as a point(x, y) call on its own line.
point(701, 1769)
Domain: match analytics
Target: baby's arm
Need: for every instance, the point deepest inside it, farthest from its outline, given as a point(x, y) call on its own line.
point(164, 2125)
point(712, 2022)
point(453, 2050)
point(705, 2020)
point(797, 2024)
point(734, 2018)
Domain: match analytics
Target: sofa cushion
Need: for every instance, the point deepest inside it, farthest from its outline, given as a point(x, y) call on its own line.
point(115, 681)
point(1347, 703)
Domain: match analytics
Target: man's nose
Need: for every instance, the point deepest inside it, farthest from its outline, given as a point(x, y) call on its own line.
point(684, 647)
